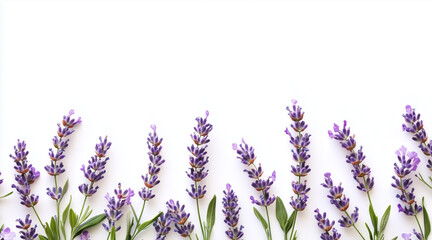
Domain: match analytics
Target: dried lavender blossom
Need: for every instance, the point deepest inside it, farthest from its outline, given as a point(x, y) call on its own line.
point(232, 213)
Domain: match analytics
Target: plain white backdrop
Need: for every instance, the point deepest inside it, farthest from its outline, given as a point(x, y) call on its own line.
point(123, 65)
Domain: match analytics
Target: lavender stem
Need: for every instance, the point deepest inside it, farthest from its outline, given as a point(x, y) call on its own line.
point(354, 224)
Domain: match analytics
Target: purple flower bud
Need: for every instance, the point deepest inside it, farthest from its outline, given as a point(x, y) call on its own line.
point(180, 218)
point(231, 212)
point(113, 212)
point(162, 226)
point(27, 232)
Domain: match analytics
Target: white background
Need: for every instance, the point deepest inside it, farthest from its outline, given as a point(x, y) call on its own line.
point(123, 65)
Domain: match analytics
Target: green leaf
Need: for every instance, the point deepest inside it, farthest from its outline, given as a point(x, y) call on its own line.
point(72, 218)
point(370, 232)
point(394, 238)
point(281, 213)
point(261, 219)
point(88, 224)
point(130, 223)
point(426, 221)
point(291, 221)
point(64, 190)
point(374, 219)
point(63, 230)
point(66, 211)
point(42, 237)
point(48, 231)
point(147, 224)
point(53, 226)
point(384, 220)
point(211, 215)
point(6, 195)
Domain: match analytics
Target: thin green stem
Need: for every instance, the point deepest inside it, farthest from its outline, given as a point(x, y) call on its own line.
point(418, 223)
point(199, 216)
point(354, 225)
point(82, 207)
point(142, 211)
point(134, 213)
point(190, 237)
point(294, 222)
point(57, 203)
point(268, 220)
point(37, 215)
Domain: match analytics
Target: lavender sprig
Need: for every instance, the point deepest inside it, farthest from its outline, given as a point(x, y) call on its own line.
point(113, 212)
point(197, 172)
point(179, 217)
point(326, 225)
point(162, 225)
point(341, 202)
point(27, 232)
point(246, 154)
point(300, 142)
point(414, 125)
point(408, 162)
point(25, 176)
point(232, 215)
point(151, 178)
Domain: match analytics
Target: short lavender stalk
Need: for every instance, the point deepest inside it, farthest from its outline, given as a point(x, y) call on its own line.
point(232, 214)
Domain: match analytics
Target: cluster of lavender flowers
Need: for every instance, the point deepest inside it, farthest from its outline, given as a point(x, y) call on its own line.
point(361, 172)
point(300, 155)
point(115, 205)
point(27, 232)
point(95, 169)
point(176, 214)
point(408, 163)
point(198, 158)
point(341, 202)
point(232, 214)
point(413, 124)
point(246, 154)
point(330, 233)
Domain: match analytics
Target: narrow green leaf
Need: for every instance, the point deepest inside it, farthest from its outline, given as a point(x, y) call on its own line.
point(86, 214)
point(64, 190)
point(261, 219)
point(281, 213)
point(395, 238)
point(426, 221)
point(66, 211)
point(374, 219)
point(42, 237)
point(53, 226)
point(370, 232)
point(6, 195)
point(211, 214)
point(291, 221)
point(88, 224)
point(72, 218)
point(130, 223)
point(147, 224)
point(384, 220)
point(113, 234)
point(48, 231)
point(63, 230)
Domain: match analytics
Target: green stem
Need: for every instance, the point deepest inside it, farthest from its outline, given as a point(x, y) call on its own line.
point(354, 225)
point(142, 211)
point(268, 220)
point(57, 204)
point(294, 222)
point(199, 216)
point(134, 213)
point(418, 223)
point(37, 215)
point(190, 237)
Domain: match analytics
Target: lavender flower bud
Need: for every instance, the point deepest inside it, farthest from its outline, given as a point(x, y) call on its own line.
point(162, 226)
point(231, 212)
point(113, 212)
point(85, 236)
point(27, 232)
point(180, 218)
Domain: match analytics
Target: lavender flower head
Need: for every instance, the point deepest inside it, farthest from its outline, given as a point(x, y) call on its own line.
point(115, 204)
point(326, 225)
point(162, 226)
point(151, 178)
point(340, 201)
point(25, 176)
point(27, 232)
point(85, 236)
point(408, 163)
point(95, 169)
point(361, 172)
point(413, 124)
point(198, 158)
point(7, 234)
point(247, 157)
point(300, 142)
point(180, 218)
point(231, 212)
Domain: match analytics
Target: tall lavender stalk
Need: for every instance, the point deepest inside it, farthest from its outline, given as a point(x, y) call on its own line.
point(414, 125)
point(300, 142)
point(197, 172)
point(25, 176)
point(408, 162)
point(247, 156)
point(151, 177)
point(60, 142)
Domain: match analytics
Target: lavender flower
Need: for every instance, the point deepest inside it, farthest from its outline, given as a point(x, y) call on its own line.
point(180, 218)
point(408, 163)
point(95, 169)
point(162, 226)
point(300, 156)
point(115, 204)
point(327, 226)
point(7, 234)
point(60, 142)
point(231, 212)
point(247, 156)
point(85, 236)
point(26, 175)
point(27, 232)
point(340, 201)
point(198, 158)
point(151, 178)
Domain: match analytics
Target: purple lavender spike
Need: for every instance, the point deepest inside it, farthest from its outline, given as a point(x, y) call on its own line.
point(113, 212)
point(231, 212)
point(330, 233)
point(180, 218)
point(27, 232)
